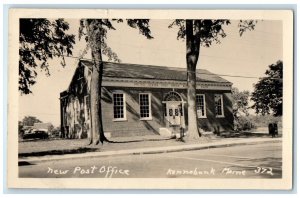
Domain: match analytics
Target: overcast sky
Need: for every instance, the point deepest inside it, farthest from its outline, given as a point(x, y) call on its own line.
point(248, 55)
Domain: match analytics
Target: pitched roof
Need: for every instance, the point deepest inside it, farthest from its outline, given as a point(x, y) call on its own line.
point(41, 125)
point(124, 70)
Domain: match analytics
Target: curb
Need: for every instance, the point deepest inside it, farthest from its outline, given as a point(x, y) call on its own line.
point(140, 151)
point(209, 147)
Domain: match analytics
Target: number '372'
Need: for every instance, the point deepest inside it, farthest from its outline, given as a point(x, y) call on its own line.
point(264, 170)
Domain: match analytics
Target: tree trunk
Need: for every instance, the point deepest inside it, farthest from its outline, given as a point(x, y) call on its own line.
point(96, 108)
point(193, 131)
point(192, 54)
point(97, 133)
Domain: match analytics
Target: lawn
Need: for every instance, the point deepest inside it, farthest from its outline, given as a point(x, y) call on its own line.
point(66, 146)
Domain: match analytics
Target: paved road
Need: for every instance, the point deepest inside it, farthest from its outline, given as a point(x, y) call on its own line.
point(248, 161)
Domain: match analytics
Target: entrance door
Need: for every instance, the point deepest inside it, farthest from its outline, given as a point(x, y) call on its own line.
point(173, 110)
point(174, 113)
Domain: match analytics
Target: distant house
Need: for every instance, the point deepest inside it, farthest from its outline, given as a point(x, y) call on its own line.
point(42, 125)
point(37, 126)
point(142, 99)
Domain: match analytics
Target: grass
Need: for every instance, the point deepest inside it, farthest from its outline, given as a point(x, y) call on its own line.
point(30, 148)
point(67, 146)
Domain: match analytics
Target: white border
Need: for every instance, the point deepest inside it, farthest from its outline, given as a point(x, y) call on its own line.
point(284, 183)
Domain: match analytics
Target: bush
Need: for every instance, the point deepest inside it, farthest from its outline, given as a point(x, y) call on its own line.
point(264, 121)
point(243, 123)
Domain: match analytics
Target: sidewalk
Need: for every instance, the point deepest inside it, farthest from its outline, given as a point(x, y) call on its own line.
point(151, 147)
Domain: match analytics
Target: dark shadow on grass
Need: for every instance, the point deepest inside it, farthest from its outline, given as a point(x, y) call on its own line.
point(42, 140)
point(250, 134)
point(146, 140)
point(246, 134)
point(58, 152)
point(35, 140)
point(24, 163)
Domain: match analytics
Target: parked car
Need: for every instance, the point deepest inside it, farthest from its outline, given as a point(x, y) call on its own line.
point(36, 134)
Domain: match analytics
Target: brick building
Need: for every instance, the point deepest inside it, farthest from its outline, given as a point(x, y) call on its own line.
point(143, 100)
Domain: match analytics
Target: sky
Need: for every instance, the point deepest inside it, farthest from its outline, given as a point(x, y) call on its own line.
point(249, 55)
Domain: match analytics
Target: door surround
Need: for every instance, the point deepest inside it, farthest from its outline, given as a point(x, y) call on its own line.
point(174, 110)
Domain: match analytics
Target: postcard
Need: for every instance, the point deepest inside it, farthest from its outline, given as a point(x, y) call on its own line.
point(150, 99)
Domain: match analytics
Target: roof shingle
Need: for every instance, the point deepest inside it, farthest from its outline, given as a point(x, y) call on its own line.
point(124, 70)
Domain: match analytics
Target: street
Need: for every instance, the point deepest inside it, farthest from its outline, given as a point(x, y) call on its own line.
point(246, 161)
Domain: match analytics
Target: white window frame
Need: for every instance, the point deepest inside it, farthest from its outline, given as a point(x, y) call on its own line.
point(222, 106)
point(204, 106)
point(124, 107)
point(87, 113)
point(76, 106)
point(150, 106)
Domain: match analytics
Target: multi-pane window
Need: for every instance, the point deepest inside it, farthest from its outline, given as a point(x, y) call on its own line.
point(165, 109)
point(219, 105)
point(76, 106)
point(200, 103)
point(119, 106)
point(87, 107)
point(145, 105)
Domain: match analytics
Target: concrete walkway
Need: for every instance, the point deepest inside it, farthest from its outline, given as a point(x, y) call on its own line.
point(152, 150)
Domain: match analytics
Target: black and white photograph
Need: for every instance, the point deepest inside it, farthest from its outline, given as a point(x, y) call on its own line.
point(150, 99)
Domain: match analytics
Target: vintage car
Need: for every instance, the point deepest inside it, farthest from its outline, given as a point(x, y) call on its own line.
point(36, 134)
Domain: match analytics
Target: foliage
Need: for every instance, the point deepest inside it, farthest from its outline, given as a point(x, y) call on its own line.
point(41, 40)
point(267, 95)
point(243, 123)
point(95, 32)
point(240, 102)
point(205, 31)
point(240, 110)
point(50, 128)
point(245, 25)
point(210, 31)
point(20, 128)
point(264, 120)
point(30, 120)
point(55, 132)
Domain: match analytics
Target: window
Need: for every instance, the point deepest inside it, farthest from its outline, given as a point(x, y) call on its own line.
point(119, 106)
point(145, 106)
point(219, 105)
point(76, 106)
point(87, 107)
point(200, 103)
point(165, 109)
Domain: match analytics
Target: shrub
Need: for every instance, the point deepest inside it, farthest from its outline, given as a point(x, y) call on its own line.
point(263, 121)
point(243, 123)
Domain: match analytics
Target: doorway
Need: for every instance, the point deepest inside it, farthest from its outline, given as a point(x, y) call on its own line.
point(174, 110)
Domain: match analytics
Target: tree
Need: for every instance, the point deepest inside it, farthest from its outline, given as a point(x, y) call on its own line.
point(95, 31)
point(20, 128)
point(41, 40)
point(50, 128)
point(240, 102)
point(30, 120)
point(200, 33)
point(240, 109)
point(267, 95)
